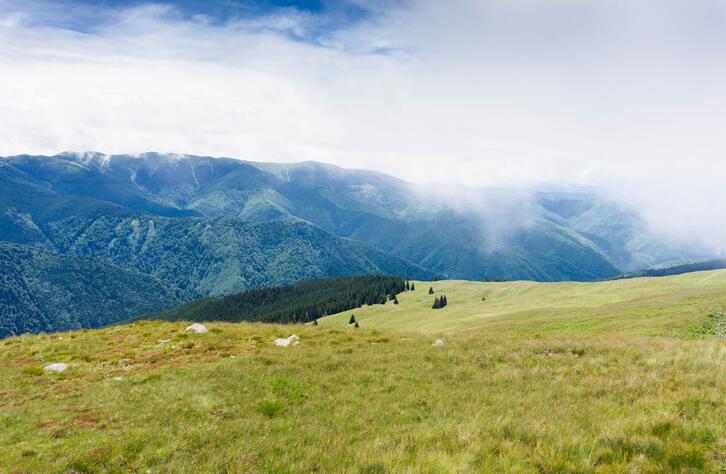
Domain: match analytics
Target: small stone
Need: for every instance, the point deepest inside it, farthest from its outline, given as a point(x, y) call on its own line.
point(197, 328)
point(57, 367)
point(117, 379)
point(438, 342)
point(292, 340)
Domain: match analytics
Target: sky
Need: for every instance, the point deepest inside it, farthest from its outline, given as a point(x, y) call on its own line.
point(626, 95)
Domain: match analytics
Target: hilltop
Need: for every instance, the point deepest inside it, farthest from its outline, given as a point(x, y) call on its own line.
point(597, 377)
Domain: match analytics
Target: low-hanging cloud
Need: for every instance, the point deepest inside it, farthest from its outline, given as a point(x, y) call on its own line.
point(627, 95)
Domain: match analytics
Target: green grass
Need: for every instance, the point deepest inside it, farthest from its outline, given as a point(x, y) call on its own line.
point(645, 306)
point(537, 378)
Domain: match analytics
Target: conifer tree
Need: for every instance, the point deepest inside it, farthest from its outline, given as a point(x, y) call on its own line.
point(395, 300)
point(437, 303)
point(413, 287)
point(407, 286)
point(356, 325)
point(431, 290)
point(352, 319)
point(315, 322)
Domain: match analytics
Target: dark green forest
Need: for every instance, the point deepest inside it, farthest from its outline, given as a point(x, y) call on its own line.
point(43, 291)
point(298, 303)
point(679, 269)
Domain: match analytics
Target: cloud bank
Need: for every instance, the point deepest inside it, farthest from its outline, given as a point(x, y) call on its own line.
point(627, 95)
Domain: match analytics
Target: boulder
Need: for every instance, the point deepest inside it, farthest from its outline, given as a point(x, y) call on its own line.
point(290, 341)
point(57, 367)
point(197, 328)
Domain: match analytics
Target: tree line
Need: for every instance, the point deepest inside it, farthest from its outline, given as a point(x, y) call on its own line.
point(298, 303)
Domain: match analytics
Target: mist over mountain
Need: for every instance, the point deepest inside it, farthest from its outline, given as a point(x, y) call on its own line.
point(547, 234)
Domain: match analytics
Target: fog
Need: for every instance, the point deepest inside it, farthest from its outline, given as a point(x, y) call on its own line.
point(626, 96)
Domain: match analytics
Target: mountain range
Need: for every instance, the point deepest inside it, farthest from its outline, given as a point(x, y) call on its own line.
point(200, 226)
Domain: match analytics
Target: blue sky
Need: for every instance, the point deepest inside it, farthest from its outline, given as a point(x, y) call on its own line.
point(90, 15)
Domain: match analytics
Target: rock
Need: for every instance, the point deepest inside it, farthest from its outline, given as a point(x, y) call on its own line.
point(197, 328)
point(438, 342)
point(118, 379)
point(57, 367)
point(290, 341)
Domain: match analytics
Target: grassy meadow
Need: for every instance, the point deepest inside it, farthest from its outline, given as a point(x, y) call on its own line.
point(623, 376)
point(668, 306)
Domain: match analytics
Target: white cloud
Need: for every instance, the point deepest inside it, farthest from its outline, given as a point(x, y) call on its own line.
point(480, 92)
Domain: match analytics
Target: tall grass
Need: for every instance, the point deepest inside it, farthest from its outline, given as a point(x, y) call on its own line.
point(364, 400)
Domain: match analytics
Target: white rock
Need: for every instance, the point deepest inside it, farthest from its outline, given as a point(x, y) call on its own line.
point(118, 379)
point(438, 342)
point(290, 341)
point(57, 367)
point(197, 328)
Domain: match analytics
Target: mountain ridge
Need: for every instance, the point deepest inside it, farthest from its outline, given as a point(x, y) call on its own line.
point(390, 214)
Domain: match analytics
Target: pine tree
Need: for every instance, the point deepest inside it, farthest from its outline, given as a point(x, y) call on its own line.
point(352, 319)
point(315, 322)
point(444, 301)
point(407, 286)
point(356, 325)
point(437, 303)
point(395, 300)
point(413, 287)
point(431, 290)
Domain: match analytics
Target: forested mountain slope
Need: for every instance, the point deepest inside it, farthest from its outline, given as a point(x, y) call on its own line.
point(66, 210)
point(549, 235)
point(44, 291)
point(202, 257)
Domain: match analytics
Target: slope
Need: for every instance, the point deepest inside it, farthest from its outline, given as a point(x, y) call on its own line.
point(203, 257)
point(53, 204)
point(642, 306)
point(529, 393)
point(44, 291)
point(488, 234)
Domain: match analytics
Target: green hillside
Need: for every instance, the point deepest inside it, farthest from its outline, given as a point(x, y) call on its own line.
point(204, 257)
point(496, 234)
point(643, 306)
point(45, 291)
point(620, 376)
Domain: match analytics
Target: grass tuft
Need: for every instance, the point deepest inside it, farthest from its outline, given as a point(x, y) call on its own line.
point(269, 408)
